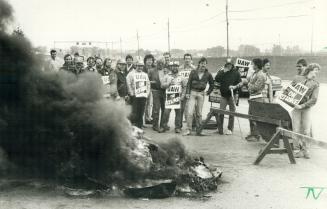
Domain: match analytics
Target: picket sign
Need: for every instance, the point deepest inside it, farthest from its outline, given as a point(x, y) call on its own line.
point(173, 97)
point(243, 66)
point(185, 73)
point(292, 95)
point(242, 63)
point(141, 89)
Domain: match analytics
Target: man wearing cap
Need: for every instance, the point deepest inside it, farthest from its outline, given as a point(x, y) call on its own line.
point(229, 79)
point(172, 81)
point(138, 85)
point(121, 78)
point(195, 92)
point(90, 65)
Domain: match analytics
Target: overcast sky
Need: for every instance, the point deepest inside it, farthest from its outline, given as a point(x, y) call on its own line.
point(194, 24)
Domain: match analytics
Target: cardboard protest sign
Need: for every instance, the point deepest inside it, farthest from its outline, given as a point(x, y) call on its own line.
point(185, 73)
point(173, 97)
point(292, 95)
point(141, 89)
point(242, 65)
point(105, 79)
point(215, 96)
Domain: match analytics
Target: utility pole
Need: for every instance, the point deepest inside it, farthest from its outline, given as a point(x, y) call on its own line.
point(312, 23)
point(112, 48)
point(138, 43)
point(227, 28)
point(280, 46)
point(121, 48)
point(168, 36)
point(107, 53)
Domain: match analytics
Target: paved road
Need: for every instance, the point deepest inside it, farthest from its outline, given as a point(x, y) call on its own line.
point(275, 183)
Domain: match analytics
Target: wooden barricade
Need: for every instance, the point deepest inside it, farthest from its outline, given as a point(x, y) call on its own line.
point(273, 123)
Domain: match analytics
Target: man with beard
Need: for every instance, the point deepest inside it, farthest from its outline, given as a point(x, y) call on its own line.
point(109, 78)
point(138, 85)
point(121, 79)
point(129, 63)
point(229, 79)
point(173, 81)
point(195, 92)
point(90, 65)
point(68, 65)
point(54, 63)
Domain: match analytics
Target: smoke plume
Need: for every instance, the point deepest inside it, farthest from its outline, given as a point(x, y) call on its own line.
point(55, 124)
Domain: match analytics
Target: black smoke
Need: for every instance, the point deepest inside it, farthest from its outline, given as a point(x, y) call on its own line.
point(55, 124)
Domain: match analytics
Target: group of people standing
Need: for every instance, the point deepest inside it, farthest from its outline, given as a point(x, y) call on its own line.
point(143, 85)
point(146, 84)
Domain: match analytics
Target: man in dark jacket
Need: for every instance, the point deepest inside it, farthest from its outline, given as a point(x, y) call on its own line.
point(196, 85)
point(121, 79)
point(229, 80)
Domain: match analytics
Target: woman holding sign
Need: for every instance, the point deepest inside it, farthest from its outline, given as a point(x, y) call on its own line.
point(109, 78)
point(301, 120)
point(138, 85)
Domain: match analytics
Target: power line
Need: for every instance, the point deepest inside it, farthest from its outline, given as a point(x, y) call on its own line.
point(201, 22)
point(269, 18)
point(269, 7)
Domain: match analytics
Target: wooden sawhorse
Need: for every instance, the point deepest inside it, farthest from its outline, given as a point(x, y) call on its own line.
point(272, 146)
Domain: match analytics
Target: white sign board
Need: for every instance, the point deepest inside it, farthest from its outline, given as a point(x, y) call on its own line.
point(173, 97)
point(185, 73)
point(243, 63)
point(105, 79)
point(141, 88)
point(292, 95)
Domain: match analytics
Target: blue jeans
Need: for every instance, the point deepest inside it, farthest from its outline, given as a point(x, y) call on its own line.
point(301, 122)
point(177, 118)
point(195, 104)
point(223, 104)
